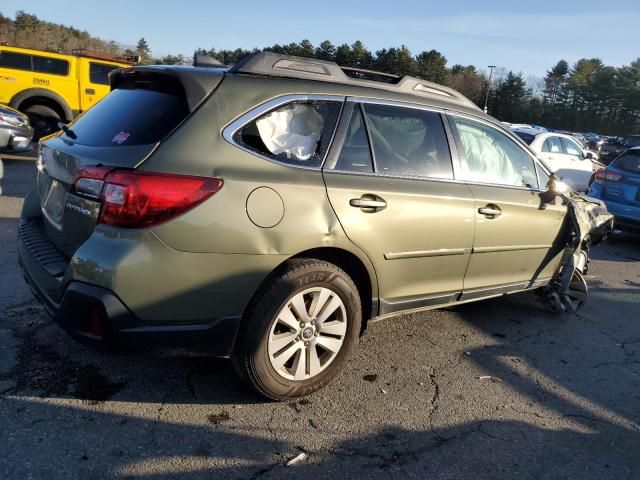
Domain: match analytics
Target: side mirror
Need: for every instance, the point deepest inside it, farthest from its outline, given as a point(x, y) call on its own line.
point(554, 190)
point(588, 156)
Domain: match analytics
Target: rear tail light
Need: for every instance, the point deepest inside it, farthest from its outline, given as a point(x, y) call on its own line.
point(603, 175)
point(134, 199)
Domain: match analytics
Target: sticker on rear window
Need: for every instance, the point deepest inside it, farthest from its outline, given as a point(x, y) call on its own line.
point(121, 137)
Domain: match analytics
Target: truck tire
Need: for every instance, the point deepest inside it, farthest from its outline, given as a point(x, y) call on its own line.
point(43, 119)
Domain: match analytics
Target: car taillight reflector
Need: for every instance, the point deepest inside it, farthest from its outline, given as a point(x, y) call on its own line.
point(606, 175)
point(135, 199)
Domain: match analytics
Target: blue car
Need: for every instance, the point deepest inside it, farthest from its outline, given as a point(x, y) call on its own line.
point(618, 185)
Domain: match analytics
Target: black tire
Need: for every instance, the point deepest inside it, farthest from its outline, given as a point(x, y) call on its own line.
point(43, 119)
point(251, 357)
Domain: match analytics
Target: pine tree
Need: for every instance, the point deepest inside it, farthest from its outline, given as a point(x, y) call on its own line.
point(432, 66)
point(325, 51)
point(510, 98)
point(143, 50)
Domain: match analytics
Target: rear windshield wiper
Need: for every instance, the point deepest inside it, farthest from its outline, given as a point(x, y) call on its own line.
point(65, 128)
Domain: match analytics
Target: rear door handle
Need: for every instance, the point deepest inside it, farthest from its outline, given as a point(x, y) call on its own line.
point(368, 203)
point(490, 211)
point(89, 91)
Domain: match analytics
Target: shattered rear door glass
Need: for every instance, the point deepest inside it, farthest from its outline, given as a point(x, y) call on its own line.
point(297, 133)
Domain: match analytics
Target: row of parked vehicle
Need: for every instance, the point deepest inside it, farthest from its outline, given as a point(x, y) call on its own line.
point(608, 168)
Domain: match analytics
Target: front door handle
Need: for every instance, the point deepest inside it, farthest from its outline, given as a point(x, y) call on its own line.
point(89, 91)
point(368, 203)
point(490, 211)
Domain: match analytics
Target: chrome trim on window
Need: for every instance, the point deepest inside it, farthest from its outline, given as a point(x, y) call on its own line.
point(394, 103)
point(230, 130)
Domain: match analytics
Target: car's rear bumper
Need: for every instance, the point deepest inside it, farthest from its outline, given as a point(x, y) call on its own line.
point(98, 317)
point(626, 216)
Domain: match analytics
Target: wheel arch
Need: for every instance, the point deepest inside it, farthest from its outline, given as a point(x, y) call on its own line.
point(40, 96)
point(361, 272)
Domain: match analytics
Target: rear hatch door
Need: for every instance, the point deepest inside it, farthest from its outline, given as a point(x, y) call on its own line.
point(626, 186)
point(121, 131)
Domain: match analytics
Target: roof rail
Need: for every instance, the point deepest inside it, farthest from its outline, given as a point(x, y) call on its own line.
point(278, 65)
point(364, 74)
point(83, 52)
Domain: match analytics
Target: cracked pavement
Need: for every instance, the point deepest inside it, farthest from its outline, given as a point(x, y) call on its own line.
point(496, 389)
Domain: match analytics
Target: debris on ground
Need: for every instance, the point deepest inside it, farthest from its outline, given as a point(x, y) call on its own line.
point(489, 377)
point(370, 377)
point(218, 418)
point(297, 459)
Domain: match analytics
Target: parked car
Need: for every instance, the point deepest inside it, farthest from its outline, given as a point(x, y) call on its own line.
point(267, 211)
point(594, 140)
point(618, 185)
point(584, 143)
point(15, 131)
point(615, 146)
point(52, 87)
point(563, 155)
point(610, 149)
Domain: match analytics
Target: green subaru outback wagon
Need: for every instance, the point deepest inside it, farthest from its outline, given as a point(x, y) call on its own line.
point(265, 212)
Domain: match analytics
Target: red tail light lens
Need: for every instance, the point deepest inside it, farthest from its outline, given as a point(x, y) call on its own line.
point(134, 199)
point(606, 175)
point(140, 199)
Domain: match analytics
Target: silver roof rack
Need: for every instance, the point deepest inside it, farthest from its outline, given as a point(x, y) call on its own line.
point(278, 65)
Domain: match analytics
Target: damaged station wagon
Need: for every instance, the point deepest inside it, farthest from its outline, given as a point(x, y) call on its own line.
point(265, 212)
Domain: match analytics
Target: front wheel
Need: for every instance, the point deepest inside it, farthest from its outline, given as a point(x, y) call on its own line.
point(300, 331)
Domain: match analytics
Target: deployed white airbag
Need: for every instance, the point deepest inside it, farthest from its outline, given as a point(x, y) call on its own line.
point(293, 130)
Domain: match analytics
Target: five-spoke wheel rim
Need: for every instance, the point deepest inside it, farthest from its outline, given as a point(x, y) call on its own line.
point(307, 333)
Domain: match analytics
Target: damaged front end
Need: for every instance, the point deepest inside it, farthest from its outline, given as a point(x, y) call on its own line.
point(587, 223)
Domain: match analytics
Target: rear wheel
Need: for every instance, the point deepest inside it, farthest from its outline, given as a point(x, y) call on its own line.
point(43, 119)
point(301, 330)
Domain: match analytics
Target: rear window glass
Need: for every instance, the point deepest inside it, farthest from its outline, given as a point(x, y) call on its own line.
point(51, 66)
point(139, 112)
point(99, 73)
point(297, 133)
point(633, 141)
point(19, 61)
point(629, 162)
point(527, 137)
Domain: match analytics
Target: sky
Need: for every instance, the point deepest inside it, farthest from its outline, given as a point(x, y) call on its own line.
point(528, 37)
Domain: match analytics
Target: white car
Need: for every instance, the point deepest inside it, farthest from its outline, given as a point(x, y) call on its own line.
point(562, 154)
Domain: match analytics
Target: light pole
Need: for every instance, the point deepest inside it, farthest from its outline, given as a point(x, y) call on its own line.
point(486, 98)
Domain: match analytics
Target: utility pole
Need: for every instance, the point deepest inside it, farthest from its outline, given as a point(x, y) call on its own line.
point(486, 98)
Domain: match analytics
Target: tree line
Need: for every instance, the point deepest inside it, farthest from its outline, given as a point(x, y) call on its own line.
point(585, 96)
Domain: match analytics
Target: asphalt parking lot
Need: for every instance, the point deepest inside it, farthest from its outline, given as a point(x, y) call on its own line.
point(496, 389)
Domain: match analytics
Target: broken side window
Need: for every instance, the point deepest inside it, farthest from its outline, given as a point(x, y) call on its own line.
point(297, 133)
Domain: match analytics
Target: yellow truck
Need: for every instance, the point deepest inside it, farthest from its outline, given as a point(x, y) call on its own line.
point(51, 87)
